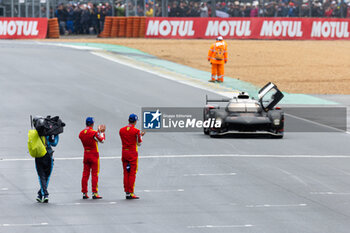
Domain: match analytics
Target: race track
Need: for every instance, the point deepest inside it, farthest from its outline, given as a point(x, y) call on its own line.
point(187, 182)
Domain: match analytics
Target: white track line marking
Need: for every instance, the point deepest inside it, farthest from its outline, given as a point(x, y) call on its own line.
point(227, 92)
point(86, 203)
point(294, 177)
point(71, 46)
point(162, 191)
point(4, 189)
point(127, 61)
point(218, 174)
point(200, 156)
point(316, 123)
point(270, 205)
point(328, 193)
point(224, 226)
point(343, 172)
point(24, 225)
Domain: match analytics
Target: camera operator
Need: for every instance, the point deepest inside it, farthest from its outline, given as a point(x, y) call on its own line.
point(44, 165)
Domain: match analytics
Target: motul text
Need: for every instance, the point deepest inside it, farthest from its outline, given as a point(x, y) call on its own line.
point(248, 28)
point(23, 28)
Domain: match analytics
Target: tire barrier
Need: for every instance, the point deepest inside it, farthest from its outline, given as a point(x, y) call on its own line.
point(136, 27)
point(114, 29)
point(130, 27)
point(53, 30)
point(142, 27)
point(106, 28)
point(122, 27)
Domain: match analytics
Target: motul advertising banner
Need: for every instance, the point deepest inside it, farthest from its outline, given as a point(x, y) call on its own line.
point(23, 28)
point(249, 28)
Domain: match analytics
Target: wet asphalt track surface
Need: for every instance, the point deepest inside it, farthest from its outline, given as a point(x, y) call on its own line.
point(187, 182)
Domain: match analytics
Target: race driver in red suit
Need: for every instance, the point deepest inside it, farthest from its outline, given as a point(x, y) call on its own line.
point(90, 138)
point(131, 138)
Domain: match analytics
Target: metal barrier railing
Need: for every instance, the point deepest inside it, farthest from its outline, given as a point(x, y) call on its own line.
point(26, 8)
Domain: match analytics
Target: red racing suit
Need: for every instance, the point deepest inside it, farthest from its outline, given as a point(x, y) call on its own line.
point(131, 138)
point(89, 139)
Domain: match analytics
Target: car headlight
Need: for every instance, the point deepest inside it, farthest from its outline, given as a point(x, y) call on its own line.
point(276, 121)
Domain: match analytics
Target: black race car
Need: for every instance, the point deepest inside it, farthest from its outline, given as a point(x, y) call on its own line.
point(243, 114)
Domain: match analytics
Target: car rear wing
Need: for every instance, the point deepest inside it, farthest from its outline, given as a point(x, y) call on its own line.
point(216, 100)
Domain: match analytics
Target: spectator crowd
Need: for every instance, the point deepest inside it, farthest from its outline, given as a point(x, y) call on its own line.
point(76, 18)
point(272, 8)
point(82, 18)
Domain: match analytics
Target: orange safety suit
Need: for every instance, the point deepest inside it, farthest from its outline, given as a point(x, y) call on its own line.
point(217, 56)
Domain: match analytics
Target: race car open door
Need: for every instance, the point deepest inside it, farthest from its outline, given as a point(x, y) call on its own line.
point(269, 96)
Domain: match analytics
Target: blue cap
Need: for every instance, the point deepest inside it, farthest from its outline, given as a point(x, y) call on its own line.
point(89, 120)
point(133, 117)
